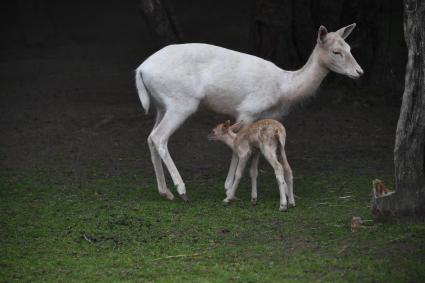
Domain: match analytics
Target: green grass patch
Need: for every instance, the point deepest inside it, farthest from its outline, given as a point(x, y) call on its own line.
point(113, 230)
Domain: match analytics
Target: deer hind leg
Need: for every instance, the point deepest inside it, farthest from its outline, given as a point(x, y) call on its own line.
point(171, 121)
point(157, 163)
point(253, 172)
point(270, 154)
point(289, 178)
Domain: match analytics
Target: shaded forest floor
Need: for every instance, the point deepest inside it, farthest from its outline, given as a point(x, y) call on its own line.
point(78, 197)
point(72, 114)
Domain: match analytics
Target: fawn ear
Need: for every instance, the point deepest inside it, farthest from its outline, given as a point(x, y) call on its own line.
point(226, 124)
point(236, 127)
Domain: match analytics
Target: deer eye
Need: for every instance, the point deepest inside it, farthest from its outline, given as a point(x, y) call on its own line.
point(337, 53)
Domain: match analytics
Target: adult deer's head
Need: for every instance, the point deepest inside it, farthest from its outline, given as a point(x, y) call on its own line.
point(335, 53)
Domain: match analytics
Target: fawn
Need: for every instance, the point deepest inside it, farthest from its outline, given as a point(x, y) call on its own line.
point(266, 136)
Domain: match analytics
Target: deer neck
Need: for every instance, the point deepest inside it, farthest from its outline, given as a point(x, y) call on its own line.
point(229, 139)
point(305, 81)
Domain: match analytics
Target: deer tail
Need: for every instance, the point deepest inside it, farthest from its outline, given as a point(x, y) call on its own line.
point(142, 91)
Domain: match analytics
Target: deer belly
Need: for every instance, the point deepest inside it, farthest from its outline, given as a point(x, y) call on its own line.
point(222, 102)
point(263, 109)
point(275, 112)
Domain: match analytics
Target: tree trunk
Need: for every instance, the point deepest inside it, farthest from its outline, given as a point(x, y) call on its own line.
point(35, 22)
point(305, 31)
point(409, 152)
point(272, 32)
point(160, 19)
point(327, 13)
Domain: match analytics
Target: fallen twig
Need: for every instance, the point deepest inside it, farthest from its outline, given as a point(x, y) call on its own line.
point(87, 239)
point(345, 197)
point(178, 256)
point(342, 249)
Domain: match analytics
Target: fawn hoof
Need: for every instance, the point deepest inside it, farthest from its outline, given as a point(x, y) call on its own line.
point(254, 201)
point(184, 197)
point(283, 207)
point(168, 195)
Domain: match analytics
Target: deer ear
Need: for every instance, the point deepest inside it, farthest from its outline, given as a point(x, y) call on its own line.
point(226, 124)
point(236, 127)
point(345, 31)
point(321, 35)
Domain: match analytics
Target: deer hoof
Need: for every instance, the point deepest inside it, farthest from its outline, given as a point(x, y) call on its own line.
point(292, 204)
point(184, 197)
point(168, 195)
point(283, 207)
point(254, 201)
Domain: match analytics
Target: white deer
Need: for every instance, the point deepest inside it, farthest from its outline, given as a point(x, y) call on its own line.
point(180, 78)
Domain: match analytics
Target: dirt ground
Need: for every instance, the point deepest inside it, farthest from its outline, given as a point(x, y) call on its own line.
point(71, 113)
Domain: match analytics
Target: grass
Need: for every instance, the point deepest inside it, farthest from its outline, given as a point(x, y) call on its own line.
point(113, 230)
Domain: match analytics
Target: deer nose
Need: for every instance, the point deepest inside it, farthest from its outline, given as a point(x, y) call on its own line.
point(359, 72)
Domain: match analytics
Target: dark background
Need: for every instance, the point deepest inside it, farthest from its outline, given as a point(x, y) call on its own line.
point(69, 111)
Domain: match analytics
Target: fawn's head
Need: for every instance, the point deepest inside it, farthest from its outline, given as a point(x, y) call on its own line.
point(335, 53)
point(223, 130)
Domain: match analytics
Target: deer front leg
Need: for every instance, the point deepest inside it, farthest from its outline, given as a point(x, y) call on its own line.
point(238, 175)
point(246, 120)
point(253, 172)
point(231, 174)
